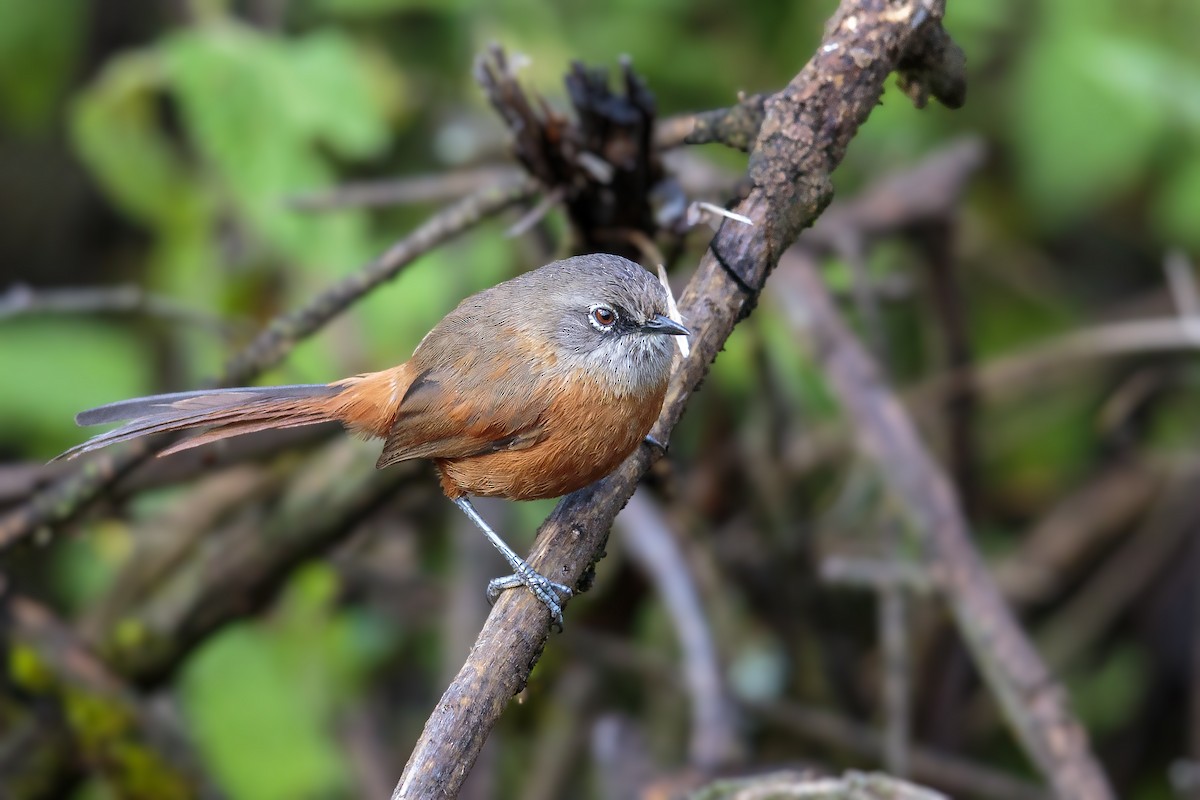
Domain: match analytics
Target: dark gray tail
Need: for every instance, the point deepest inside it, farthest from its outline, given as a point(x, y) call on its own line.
point(228, 412)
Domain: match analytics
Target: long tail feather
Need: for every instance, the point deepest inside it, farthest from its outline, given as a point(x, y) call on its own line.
point(210, 398)
point(229, 412)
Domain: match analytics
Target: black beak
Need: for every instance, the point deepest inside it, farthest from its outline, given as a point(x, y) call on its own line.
point(665, 325)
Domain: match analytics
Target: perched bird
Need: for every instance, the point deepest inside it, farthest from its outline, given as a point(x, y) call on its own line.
point(533, 388)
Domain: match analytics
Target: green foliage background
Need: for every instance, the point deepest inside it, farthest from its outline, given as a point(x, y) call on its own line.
point(191, 129)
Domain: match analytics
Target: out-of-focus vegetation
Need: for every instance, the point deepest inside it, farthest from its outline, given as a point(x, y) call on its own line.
point(156, 144)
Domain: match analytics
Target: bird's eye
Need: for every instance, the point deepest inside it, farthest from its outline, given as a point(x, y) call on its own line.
point(602, 317)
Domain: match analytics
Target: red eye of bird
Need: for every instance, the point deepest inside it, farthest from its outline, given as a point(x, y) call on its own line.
point(604, 316)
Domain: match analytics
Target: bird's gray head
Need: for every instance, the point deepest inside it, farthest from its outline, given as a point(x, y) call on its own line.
point(607, 315)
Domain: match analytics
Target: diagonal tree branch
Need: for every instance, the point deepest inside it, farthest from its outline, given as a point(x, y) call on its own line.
point(1031, 699)
point(803, 137)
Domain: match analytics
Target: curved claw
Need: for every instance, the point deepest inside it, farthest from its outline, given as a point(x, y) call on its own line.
point(656, 444)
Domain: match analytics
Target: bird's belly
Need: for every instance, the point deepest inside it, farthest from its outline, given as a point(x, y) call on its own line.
point(584, 442)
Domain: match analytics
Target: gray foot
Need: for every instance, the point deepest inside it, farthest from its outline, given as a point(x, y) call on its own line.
point(551, 593)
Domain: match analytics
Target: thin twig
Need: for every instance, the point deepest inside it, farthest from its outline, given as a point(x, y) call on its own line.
point(22, 300)
point(61, 501)
point(893, 627)
point(1077, 528)
point(286, 331)
point(361, 739)
point(1185, 773)
point(22, 480)
point(851, 248)
point(439, 188)
point(1036, 367)
point(562, 737)
point(1048, 361)
point(876, 574)
point(1183, 283)
point(891, 578)
point(1126, 574)
point(807, 129)
point(651, 545)
point(536, 214)
point(936, 242)
point(736, 126)
point(929, 192)
point(624, 761)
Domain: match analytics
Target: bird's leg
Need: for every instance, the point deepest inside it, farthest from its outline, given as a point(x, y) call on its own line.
point(550, 593)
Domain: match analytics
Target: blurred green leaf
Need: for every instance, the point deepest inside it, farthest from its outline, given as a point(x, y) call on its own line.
point(1175, 425)
point(1079, 141)
point(120, 137)
point(265, 114)
point(58, 367)
point(1107, 693)
point(262, 734)
point(350, 641)
point(1176, 210)
point(799, 377)
point(39, 45)
point(260, 109)
point(735, 370)
point(332, 95)
point(366, 8)
point(1034, 449)
point(980, 27)
point(85, 566)
point(261, 699)
point(1143, 74)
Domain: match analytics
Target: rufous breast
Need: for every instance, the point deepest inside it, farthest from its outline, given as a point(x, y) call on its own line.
point(588, 432)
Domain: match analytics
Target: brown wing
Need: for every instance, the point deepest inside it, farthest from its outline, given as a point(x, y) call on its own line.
point(468, 398)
